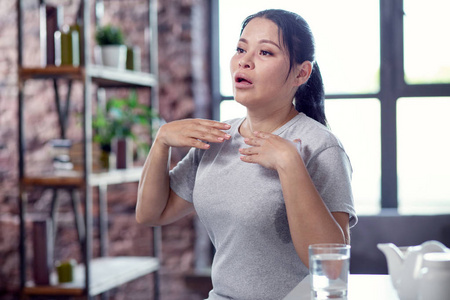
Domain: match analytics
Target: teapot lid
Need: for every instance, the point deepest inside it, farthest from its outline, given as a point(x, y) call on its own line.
point(437, 259)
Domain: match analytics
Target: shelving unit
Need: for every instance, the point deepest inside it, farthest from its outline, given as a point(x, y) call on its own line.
point(94, 276)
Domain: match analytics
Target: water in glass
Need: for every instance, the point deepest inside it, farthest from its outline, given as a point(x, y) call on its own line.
point(329, 275)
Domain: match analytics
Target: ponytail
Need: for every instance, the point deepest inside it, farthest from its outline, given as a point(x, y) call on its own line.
point(310, 97)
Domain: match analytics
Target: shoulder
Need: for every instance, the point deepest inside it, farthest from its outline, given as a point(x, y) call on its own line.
point(310, 132)
point(315, 137)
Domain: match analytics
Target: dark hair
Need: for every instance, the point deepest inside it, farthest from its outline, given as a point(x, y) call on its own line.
point(299, 42)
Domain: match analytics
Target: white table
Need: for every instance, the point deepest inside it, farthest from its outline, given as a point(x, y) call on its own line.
point(367, 287)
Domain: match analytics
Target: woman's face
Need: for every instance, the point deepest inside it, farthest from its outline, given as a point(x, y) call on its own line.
point(260, 66)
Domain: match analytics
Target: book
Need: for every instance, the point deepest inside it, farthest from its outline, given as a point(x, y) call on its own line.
point(51, 20)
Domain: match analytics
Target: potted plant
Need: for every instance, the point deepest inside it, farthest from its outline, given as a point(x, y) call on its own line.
point(114, 127)
point(110, 50)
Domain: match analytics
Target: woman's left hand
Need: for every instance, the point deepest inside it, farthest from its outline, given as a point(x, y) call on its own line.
point(269, 150)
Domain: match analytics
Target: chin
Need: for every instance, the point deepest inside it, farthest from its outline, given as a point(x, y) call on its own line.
point(249, 100)
point(243, 98)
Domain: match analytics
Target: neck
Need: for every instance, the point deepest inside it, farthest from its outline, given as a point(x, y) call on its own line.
point(266, 122)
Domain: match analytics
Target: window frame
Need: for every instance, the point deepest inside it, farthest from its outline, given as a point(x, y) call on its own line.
point(392, 87)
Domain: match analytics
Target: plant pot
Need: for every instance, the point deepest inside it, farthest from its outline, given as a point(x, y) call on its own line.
point(114, 56)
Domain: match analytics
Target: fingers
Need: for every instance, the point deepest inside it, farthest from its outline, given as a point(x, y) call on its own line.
point(268, 150)
point(254, 154)
point(248, 159)
point(215, 124)
point(209, 134)
point(198, 144)
point(248, 151)
point(194, 133)
point(256, 142)
point(257, 139)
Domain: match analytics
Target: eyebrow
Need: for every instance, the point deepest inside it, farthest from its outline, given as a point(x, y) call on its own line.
point(263, 41)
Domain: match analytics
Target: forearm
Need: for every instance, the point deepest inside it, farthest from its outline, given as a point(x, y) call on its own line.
point(154, 189)
point(309, 219)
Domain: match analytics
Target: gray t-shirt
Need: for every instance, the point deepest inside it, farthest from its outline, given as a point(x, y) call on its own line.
point(243, 210)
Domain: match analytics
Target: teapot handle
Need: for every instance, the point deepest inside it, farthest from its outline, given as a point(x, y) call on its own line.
point(434, 246)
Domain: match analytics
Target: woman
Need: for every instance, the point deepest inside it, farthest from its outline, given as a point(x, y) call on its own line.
point(265, 186)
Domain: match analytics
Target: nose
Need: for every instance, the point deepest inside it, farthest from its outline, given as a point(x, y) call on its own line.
point(246, 62)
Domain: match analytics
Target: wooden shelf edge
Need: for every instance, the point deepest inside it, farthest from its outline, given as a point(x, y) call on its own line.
point(101, 75)
point(53, 181)
point(75, 179)
point(51, 72)
point(106, 273)
point(53, 291)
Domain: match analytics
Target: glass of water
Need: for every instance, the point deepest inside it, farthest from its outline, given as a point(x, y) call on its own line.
point(329, 267)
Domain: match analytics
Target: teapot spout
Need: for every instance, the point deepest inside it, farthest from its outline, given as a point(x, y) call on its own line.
point(394, 259)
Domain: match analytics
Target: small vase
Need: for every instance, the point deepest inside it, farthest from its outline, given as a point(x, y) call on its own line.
point(133, 58)
point(105, 160)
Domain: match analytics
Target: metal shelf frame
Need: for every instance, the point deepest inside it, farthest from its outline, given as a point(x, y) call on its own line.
point(90, 75)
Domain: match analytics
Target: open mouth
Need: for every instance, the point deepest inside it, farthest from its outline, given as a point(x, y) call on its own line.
point(242, 79)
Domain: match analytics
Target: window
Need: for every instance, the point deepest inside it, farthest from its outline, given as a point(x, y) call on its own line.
point(423, 154)
point(357, 124)
point(427, 41)
point(372, 106)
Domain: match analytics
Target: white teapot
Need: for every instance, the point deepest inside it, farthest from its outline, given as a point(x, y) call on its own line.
point(405, 265)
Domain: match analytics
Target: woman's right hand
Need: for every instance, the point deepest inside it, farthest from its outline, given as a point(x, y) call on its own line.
point(192, 133)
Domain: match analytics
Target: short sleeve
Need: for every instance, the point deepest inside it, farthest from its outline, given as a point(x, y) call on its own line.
point(182, 177)
point(331, 173)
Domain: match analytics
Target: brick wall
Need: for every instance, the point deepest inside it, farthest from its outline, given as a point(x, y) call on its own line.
point(176, 101)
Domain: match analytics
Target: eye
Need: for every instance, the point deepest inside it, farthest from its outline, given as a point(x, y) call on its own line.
point(240, 50)
point(265, 53)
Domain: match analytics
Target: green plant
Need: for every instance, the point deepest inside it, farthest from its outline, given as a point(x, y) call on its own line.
point(119, 118)
point(109, 35)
